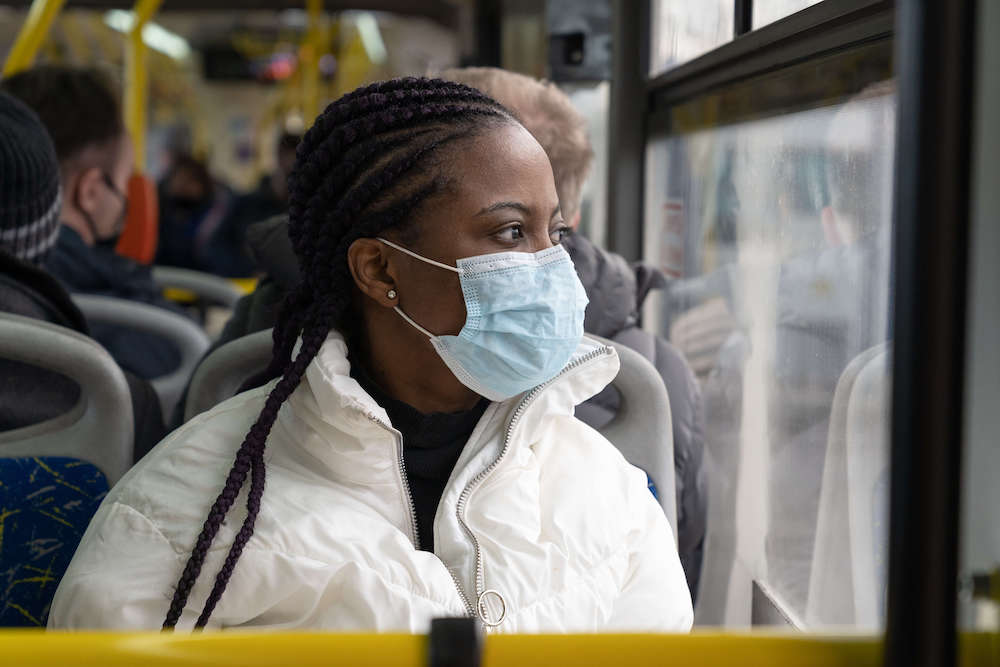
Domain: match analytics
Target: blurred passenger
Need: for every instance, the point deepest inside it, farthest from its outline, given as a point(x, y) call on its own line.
point(411, 472)
point(616, 291)
point(228, 253)
point(29, 226)
point(192, 205)
point(84, 119)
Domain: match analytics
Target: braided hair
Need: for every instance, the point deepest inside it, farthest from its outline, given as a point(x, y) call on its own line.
point(363, 168)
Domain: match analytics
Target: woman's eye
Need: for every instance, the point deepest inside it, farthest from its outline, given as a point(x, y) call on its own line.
point(559, 235)
point(511, 234)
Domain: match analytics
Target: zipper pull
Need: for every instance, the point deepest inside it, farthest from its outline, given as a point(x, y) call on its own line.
point(492, 608)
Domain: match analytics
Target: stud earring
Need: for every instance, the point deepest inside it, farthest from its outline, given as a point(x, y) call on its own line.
point(391, 294)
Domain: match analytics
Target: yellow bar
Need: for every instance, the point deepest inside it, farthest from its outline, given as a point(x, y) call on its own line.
point(244, 285)
point(144, 11)
point(29, 40)
point(211, 649)
point(310, 61)
point(136, 80)
point(704, 649)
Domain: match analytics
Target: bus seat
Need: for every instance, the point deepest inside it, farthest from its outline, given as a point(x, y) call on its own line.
point(212, 289)
point(141, 232)
point(845, 576)
point(642, 429)
point(643, 416)
point(224, 371)
point(867, 487)
point(47, 504)
point(54, 474)
point(99, 428)
point(189, 339)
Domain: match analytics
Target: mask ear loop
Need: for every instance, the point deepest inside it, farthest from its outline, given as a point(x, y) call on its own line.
point(416, 256)
point(412, 323)
point(422, 259)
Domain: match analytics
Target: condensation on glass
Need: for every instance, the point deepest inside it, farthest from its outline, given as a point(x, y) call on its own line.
point(776, 233)
point(683, 30)
point(769, 11)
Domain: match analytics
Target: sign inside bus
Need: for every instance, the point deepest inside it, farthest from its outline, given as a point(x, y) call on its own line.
point(672, 239)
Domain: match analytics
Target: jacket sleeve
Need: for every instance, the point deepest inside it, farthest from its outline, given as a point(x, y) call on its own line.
point(121, 576)
point(654, 596)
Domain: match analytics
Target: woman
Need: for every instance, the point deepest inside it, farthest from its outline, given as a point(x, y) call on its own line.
point(411, 472)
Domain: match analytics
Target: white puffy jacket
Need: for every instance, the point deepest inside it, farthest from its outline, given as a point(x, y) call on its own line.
point(543, 526)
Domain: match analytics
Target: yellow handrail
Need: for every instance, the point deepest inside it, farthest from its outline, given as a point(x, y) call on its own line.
point(705, 649)
point(311, 51)
point(29, 40)
point(137, 80)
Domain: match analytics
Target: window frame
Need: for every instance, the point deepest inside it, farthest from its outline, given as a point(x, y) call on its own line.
point(934, 49)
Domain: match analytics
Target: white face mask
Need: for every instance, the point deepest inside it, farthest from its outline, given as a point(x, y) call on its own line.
point(524, 320)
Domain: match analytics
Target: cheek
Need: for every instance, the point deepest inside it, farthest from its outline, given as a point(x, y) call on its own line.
point(437, 303)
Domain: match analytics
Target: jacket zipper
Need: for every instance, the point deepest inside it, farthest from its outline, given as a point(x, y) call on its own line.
point(414, 531)
point(480, 580)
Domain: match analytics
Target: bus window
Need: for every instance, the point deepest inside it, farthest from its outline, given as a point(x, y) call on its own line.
point(776, 228)
point(769, 11)
point(684, 30)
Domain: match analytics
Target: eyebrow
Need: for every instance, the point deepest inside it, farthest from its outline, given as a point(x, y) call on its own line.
point(518, 206)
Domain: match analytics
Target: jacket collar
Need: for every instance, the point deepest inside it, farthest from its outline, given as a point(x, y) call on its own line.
point(351, 432)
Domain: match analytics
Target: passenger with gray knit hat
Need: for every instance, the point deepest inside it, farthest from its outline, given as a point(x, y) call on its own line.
point(29, 184)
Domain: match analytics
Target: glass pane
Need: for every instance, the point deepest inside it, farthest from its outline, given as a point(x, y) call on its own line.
point(683, 30)
point(769, 11)
point(777, 234)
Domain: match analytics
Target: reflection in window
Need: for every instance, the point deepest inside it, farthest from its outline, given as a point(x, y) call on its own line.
point(683, 30)
point(777, 234)
point(769, 11)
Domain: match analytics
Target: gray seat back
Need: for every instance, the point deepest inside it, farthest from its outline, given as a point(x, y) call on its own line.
point(213, 289)
point(843, 585)
point(189, 339)
point(642, 429)
point(99, 428)
point(222, 372)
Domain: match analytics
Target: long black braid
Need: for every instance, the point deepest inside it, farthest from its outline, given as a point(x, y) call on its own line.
point(364, 167)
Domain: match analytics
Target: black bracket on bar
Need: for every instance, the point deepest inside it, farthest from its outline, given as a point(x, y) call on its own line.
point(455, 642)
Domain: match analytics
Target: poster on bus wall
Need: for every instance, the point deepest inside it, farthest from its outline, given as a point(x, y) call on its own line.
point(671, 251)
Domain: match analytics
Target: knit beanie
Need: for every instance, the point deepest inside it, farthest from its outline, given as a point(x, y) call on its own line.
point(30, 200)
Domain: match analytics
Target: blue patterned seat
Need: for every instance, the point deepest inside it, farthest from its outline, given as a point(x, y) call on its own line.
point(45, 506)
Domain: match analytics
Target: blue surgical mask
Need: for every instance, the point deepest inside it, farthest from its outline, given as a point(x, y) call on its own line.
point(524, 320)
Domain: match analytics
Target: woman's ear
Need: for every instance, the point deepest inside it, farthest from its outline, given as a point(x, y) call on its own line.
point(373, 272)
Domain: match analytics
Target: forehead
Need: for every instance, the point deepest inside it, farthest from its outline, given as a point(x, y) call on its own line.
point(503, 164)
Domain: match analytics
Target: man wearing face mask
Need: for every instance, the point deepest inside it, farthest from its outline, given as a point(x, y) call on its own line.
point(84, 118)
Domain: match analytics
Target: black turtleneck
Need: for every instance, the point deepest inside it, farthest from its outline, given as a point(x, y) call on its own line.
point(431, 447)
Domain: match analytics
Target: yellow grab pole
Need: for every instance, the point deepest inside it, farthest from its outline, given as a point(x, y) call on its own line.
point(136, 80)
point(29, 40)
point(310, 61)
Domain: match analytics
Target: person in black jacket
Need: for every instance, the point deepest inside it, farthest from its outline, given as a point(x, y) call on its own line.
point(83, 117)
point(228, 253)
point(29, 226)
